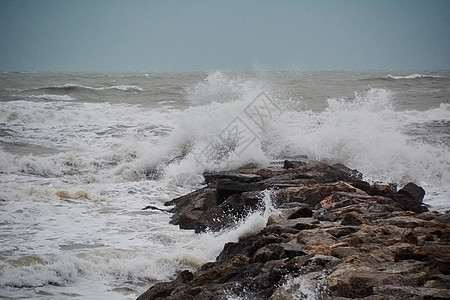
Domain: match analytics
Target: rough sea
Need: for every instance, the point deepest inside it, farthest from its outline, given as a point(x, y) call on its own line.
point(81, 155)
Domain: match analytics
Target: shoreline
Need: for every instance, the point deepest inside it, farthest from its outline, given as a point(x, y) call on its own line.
point(334, 236)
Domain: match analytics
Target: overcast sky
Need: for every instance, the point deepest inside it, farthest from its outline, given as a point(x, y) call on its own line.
point(133, 35)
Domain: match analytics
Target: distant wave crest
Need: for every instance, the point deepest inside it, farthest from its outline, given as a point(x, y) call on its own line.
point(412, 76)
point(69, 87)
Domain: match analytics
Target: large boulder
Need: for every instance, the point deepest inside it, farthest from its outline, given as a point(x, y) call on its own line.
point(410, 198)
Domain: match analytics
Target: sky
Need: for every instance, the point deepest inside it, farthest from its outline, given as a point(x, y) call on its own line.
point(169, 35)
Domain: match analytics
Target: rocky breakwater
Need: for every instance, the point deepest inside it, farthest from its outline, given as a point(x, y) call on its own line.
point(334, 237)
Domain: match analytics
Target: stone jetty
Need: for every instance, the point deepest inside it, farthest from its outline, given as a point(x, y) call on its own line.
point(334, 236)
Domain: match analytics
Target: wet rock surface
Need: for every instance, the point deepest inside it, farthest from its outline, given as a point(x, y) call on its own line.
point(335, 237)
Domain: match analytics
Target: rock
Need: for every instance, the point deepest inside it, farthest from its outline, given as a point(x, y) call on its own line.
point(164, 289)
point(343, 252)
point(289, 164)
point(251, 199)
point(269, 173)
point(280, 229)
point(428, 216)
point(410, 237)
point(312, 195)
point(300, 223)
point(408, 292)
point(341, 231)
point(201, 199)
point(443, 218)
point(354, 174)
point(187, 219)
point(228, 187)
point(413, 191)
point(292, 249)
point(438, 281)
point(302, 212)
point(324, 214)
point(316, 241)
point(220, 271)
point(231, 175)
point(381, 190)
point(410, 198)
point(213, 219)
point(352, 219)
point(358, 283)
point(249, 245)
point(232, 204)
point(403, 222)
point(404, 251)
point(273, 219)
point(407, 203)
point(269, 252)
point(333, 236)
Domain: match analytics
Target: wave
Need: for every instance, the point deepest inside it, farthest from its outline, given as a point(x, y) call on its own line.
point(412, 76)
point(51, 97)
point(365, 132)
point(69, 87)
point(77, 261)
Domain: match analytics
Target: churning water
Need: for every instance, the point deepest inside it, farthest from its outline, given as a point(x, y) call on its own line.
point(81, 154)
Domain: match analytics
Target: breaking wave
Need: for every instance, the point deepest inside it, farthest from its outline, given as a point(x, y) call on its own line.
point(412, 76)
point(70, 87)
point(366, 132)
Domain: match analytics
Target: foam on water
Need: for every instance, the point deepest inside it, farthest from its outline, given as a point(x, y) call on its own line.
point(51, 97)
point(135, 246)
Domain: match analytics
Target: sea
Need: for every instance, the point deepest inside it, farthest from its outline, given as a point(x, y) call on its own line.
point(82, 155)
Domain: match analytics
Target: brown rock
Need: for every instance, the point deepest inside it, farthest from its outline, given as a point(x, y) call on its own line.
point(401, 221)
point(164, 289)
point(410, 237)
point(275, 219)
point(302, 212)
point(381, 190)
point(340, 231)
point(413, 191)
point(231, 175)
point(187, 219)
point(410, 198)
point(352, 219)
point(363, 241)
point(408, 292)
point(220, 271)
point(404, 251)
point(201, 199)
point(362, 284)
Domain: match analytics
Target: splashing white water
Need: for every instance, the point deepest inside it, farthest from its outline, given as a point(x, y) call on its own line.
point(366, 132)
point(208, 245)
point(304, 287)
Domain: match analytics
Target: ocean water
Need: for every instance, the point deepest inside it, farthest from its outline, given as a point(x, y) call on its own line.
point(81, 155)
